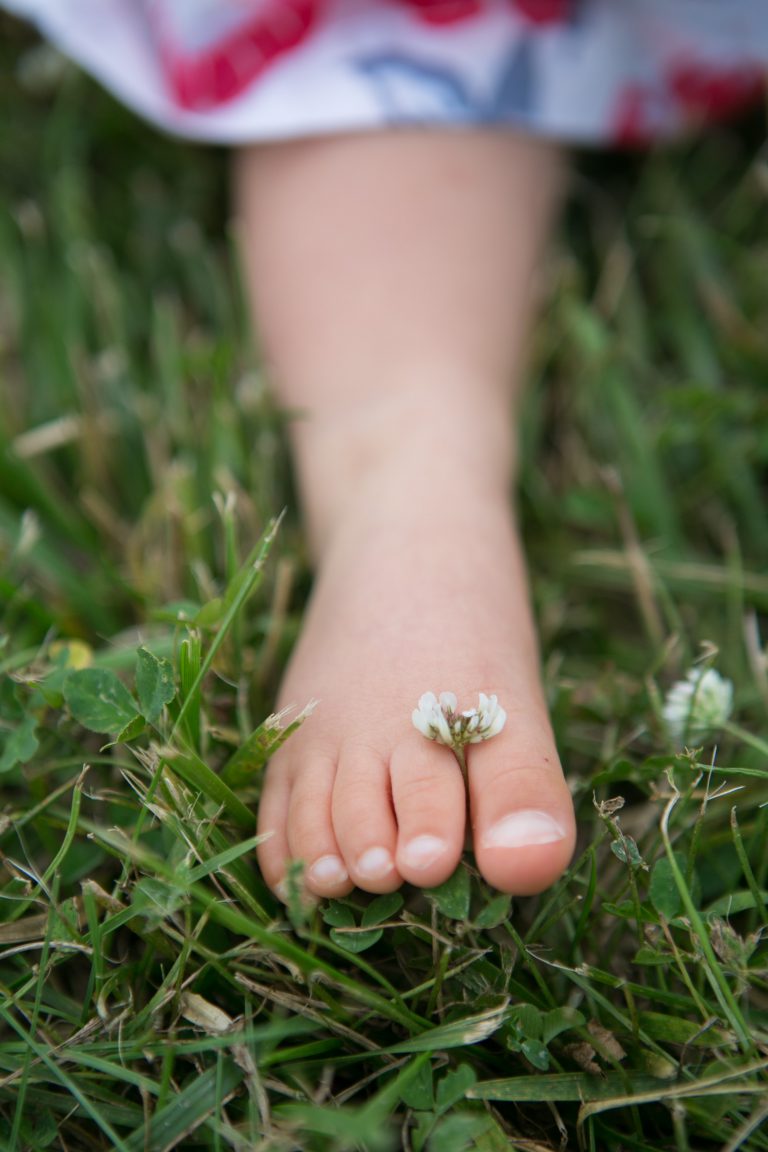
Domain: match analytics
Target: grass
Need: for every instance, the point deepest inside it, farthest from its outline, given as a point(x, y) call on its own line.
point(153, 995)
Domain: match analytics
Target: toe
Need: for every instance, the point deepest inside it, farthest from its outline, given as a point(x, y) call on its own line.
point(430, 804)
point(310, 832)
point(522, 814)
point(273, 853)
point(363, 819)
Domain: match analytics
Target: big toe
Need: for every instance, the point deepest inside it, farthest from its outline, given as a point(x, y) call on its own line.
point(523, 824)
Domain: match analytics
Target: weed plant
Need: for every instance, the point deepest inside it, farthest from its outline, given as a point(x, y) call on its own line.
point(153, 994)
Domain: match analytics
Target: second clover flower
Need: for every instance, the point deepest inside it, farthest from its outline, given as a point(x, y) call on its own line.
point(698, 705)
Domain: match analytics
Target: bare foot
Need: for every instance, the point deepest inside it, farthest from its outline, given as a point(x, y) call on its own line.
point(416, 593)
point(391, 280)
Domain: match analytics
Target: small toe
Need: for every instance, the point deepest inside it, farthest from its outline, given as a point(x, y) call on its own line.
point(273, 853)
point(363, 819)
point(310, 832)
point(430, 803)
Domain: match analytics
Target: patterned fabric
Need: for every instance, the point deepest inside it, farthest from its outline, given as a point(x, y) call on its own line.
point(626, 71)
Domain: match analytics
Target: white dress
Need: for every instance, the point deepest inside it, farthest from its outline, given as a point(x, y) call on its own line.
point(626, 71)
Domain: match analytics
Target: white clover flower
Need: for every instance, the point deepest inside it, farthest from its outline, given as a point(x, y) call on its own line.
point(438, 719)
point(698, 705)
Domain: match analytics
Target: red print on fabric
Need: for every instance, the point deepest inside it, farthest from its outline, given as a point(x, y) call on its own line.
point(444, 11)
point(453, 11)
point(632, 123)
point(224, 70)
point(543, 11)
point(711, 91)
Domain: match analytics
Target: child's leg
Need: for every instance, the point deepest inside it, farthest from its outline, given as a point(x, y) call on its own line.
point(391, 280)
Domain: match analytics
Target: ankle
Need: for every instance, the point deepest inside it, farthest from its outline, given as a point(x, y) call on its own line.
point(425, 450)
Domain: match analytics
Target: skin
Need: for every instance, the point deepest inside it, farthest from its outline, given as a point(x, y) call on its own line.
point(391, 279)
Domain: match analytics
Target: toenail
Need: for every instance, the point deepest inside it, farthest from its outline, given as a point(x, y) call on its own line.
point(423, 851)
point(374, 863)
point(521, 829)
point(328, 870)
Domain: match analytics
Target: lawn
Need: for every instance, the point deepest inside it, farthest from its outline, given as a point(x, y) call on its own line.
point(153, 994)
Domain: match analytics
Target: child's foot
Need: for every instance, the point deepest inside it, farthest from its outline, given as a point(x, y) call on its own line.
point(391, 275)
point(419, 590)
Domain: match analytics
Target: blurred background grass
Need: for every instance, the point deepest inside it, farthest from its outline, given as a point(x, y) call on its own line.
point(647, 400)
point(131, 392)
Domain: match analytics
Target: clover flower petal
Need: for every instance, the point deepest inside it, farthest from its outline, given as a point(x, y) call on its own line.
point(697, 705)
point(421, 722)
point(491, 719)
point(430, 719)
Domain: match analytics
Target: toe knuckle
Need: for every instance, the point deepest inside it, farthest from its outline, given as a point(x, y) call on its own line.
point(418, 791)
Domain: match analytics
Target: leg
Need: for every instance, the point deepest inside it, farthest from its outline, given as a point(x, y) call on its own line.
point(391, 277)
